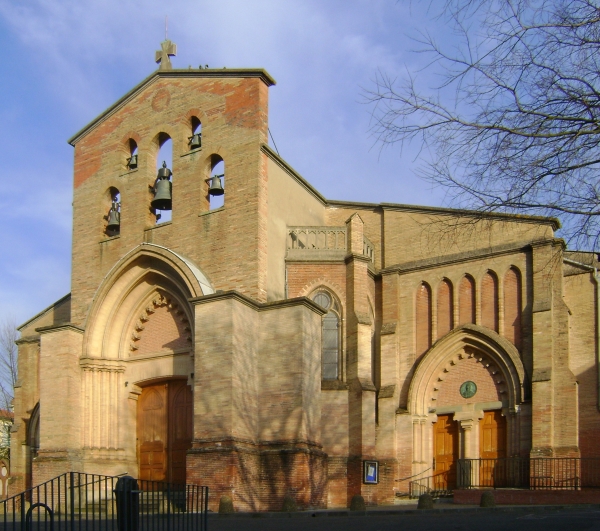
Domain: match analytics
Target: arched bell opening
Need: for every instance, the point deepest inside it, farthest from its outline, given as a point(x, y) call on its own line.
point(195, 140)
point(132, 160)
point(216, 183)
point(466, 402)
point(111, 207)
point(162, 190)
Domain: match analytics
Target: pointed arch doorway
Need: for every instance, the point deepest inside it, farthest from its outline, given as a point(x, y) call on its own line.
point(164, 430)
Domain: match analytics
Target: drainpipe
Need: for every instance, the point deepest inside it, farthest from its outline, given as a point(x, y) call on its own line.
point(596, 278)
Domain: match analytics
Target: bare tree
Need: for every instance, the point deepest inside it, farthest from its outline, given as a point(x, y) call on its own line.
point(8, 377)
point(514, 122)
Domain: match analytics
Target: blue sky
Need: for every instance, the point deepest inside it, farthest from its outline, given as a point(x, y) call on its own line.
point(65, 61)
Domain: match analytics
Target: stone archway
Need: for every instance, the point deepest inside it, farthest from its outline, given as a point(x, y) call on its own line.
point(469, 372)
point(140, 331)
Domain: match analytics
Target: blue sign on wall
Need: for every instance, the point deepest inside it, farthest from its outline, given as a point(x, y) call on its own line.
point(371, 472)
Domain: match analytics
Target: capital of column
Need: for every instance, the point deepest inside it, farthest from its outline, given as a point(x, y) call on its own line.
point(468, 419)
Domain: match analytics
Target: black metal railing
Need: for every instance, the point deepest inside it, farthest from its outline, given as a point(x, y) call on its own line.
point(77, 501)
point(543, 473)
point(437, 485)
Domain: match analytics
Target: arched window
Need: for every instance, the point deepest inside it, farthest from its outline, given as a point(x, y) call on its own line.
point(512, 306)
point(489, 300)
point(423, 318)
point(466, 301)
point(330, 337)
point(33, 431)
point(216, 183)
point(445, 308)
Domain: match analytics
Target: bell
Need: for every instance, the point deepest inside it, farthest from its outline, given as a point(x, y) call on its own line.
point(216, 187)
point(195, 141)
point(162, 195)
point(162, 189)
point(132, 162)
point(114, 217)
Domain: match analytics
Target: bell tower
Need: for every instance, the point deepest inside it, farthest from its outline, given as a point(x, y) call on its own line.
point(214, 118)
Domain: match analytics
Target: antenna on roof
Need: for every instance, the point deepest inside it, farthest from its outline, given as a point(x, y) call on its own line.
point(166, 27)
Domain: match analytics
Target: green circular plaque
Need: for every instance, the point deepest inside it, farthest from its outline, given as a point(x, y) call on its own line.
point(468, 389)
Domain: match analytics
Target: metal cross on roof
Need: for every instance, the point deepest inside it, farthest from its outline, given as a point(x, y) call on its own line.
point(163, 56)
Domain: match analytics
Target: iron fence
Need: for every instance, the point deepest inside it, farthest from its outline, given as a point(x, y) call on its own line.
point(543, 473)
point(77, 501)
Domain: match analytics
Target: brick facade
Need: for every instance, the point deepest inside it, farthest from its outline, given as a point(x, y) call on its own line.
point(425, 299)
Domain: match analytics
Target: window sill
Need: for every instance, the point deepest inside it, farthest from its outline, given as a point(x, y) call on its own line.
point(333, 385)
point(158, 225)
point(211, 211)
point(110, 238)
point(128, 172)
point(191, 152)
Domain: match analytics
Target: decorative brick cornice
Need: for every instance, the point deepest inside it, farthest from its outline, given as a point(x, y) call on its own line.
point(28, 339)
point(102, 364)
point(58, 328)
point(258, 306)
point(237, 444)
point(468, 256)
point(354, 257)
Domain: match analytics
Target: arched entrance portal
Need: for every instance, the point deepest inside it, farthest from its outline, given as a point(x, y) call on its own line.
point(465, 401)
point(164, 430)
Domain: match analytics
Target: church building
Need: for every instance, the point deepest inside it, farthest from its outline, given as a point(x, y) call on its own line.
point(229, 326)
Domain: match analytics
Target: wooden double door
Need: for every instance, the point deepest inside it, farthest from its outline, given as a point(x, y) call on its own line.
point(445, 452)
point(164, 431)
point(492, 445)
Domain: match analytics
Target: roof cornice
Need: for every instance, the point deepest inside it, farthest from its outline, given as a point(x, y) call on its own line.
point(258, 306)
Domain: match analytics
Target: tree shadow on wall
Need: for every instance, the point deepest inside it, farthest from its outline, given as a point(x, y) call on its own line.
point(271, 455)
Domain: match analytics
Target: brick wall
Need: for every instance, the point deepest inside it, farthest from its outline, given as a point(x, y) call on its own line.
point(475, 367)
point(166, 329)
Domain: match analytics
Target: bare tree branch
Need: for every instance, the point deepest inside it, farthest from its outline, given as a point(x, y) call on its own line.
point(514, 124)
point(8, 377)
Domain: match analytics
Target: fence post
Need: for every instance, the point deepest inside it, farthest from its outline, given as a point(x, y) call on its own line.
point(23, 519)
point(128, 504)
point(71, 500)
point(169, 498)
point(205, 511)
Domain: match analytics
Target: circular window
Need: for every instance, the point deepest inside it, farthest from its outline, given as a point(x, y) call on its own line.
point(322, 299)
point(4, 471)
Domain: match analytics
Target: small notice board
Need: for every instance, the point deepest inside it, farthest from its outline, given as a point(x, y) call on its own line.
point(371, 472)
